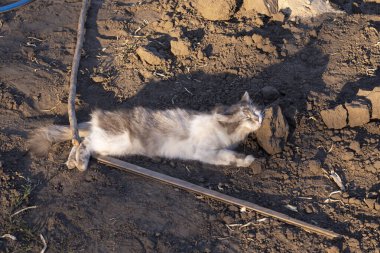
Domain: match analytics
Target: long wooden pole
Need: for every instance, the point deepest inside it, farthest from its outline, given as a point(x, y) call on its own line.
point(128, 167)
point(74, 73)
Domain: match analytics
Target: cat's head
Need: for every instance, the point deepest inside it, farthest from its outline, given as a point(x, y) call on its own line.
point(244, 114)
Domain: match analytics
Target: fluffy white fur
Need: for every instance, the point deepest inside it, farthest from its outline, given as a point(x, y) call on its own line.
point(176, 133)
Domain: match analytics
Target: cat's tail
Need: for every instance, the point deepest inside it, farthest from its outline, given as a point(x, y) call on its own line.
point(41, 139)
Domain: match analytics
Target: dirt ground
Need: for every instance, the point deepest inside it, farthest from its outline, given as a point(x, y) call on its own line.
point(313, 66)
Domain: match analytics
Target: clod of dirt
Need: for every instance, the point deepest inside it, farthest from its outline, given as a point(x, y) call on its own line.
point(370, 203)
point(314, 167)
point(354, 201)
point(257, 166)
point(347, 156)
point(228, 219)
point(149, 55)
point(358, 113)
point(266, 7)
point(335, 118)
point(263, 43)
point(332, 249)
point(355, 146)
point(216, 9)
point(179, 48)
point(98, 79)
point(270, 93)
point(306, 9)
point(279, 17)
point(273, 134)
point(374, 97)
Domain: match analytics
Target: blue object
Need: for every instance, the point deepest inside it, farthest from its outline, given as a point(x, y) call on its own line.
point(13, 6)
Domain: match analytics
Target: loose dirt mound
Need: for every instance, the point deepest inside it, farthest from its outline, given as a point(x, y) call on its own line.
point(164, 54)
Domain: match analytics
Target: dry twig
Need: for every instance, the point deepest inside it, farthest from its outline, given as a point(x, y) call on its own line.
point(44, 242)
point(74, 73)
point(12, 237)
point(24, 209)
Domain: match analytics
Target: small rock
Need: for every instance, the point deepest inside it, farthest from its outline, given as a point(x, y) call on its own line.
point(216, 9)
point(257, 39)
point(279, 17)
point(358, 113)
point(149, 56)
point(98, 79)
point(268, 48)
point(371, 168)
point(273, 133)
point(335, 118)
point(309, 209)
point(313, 34)
point(353, 244)
point(263, 43)
point(377, 206)
point(354, 201)
point(146, 74)
point(376, 164)
point(332, 249)
point(314, 167)
point(270, 93)
point(370, 203)
point(347, 156)
point(200, 55)
point(168, 25)
point(336, 138)
point(179, 48)
point(374, 97)
point(261, 6)
point(257, 167)
point(355, 146)
point(289, 234)
point(228, 219)
point(248, 40)
point(233, 208)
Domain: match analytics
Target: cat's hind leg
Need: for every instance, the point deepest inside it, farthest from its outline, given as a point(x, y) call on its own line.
point(83, 155)
point(226, 157)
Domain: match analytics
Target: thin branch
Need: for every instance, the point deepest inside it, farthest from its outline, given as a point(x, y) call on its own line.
point(44, 242)
point(24, 209)
point(74, 73)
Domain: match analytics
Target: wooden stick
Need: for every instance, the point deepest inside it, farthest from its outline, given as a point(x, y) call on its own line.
point(22, 210)
point(74, 73)
point(128, 167)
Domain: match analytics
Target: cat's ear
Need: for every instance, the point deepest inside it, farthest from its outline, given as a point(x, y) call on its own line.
point(245, 97)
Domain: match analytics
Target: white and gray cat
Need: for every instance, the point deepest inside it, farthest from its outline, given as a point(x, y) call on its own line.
point(175, 133)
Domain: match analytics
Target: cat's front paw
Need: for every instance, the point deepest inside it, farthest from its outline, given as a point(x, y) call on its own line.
point(71, 160)
point(246, 162)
